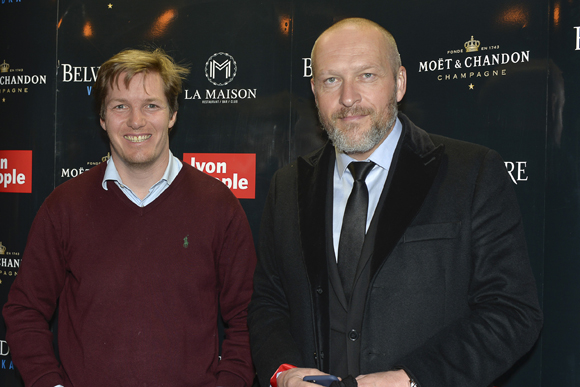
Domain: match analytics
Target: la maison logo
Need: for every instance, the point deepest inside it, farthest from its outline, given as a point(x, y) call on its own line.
point(236, 170)
point(16, 171)
point(220, 70)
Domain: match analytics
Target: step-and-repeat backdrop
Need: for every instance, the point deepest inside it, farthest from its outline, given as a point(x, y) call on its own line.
point(500, 73)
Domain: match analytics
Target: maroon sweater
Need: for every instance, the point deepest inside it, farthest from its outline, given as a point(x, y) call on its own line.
point(139, 288)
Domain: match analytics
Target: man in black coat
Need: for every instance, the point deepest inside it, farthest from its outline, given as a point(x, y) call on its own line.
point(438, 293)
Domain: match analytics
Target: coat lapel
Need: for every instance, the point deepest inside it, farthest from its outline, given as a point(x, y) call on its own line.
point(312, 186)
point(312, 190)
point(412, 174)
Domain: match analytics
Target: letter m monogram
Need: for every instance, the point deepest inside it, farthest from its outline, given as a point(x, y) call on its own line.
point(227, 65)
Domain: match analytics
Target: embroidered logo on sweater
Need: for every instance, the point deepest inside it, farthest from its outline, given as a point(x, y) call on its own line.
point(185, 242)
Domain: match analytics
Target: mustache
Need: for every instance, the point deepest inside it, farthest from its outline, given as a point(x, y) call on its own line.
point(352, 111)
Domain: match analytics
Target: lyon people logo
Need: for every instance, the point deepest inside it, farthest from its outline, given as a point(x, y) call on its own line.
point(16, 171)
point(220, 69)
point(236, 170)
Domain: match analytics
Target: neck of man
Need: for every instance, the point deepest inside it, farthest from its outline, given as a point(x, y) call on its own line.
point(140, 177)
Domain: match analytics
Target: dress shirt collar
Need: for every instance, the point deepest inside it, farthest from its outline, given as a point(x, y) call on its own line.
point(171, 172)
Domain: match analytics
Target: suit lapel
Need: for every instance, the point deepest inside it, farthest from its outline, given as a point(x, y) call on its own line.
point(312, 186)
point(412, 174)
point(312, 190)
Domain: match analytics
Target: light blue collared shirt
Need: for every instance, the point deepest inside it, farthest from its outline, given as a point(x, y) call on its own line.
point(171, 172)
point(375, 180)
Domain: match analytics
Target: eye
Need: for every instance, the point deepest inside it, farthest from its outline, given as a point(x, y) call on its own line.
point(330, 80)
point(368, 75)
point(119, 107)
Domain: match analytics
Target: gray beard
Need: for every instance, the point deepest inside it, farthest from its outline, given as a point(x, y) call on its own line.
point(379, 129)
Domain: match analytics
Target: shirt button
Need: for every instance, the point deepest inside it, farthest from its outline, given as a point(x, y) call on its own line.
point(319, 290)
point(353, 335)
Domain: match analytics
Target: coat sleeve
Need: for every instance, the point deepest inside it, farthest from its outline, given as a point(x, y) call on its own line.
point(32, 301)
point(269, 313)
point(505, 318)
point(237, 260)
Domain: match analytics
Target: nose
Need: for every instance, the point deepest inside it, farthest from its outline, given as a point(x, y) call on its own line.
point(136, 119)
point(349, 94)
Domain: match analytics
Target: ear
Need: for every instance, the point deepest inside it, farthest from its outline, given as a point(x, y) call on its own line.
point(401, 83)
point(103, 124)
point(172, 120)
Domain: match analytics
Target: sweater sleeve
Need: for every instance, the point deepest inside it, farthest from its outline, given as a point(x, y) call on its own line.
point(32, 301)
point(237, 260)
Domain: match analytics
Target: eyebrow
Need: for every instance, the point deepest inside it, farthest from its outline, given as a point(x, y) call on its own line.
point(357, 69)
point(364, 67)
point(125, 100)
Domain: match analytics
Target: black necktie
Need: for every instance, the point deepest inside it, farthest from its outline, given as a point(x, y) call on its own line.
point(352, 234)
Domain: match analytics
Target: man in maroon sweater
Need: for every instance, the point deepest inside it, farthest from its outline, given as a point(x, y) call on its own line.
point(139, 253)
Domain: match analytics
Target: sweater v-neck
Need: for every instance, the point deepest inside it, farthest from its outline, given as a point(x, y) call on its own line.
point(112, 187)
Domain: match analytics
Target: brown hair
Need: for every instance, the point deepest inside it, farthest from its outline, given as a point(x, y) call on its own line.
point(132, 62)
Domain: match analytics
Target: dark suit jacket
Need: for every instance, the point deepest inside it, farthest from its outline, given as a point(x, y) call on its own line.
point(451, 297)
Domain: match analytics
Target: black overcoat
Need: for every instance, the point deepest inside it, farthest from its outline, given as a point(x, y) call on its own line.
point(451, 297)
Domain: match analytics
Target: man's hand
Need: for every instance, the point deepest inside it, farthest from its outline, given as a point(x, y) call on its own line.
point(397, 378)
point(293, 377)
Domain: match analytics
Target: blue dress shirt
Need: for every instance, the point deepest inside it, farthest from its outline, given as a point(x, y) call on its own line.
point(375, 181)
point(173, 168)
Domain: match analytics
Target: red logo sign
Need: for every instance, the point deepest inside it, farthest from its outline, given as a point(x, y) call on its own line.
point(16, 171)
point(236, 170)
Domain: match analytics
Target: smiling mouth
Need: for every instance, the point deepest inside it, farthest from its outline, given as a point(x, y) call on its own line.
point(138, 138)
